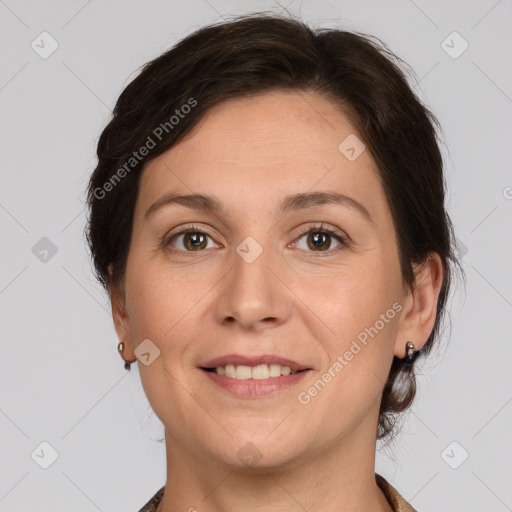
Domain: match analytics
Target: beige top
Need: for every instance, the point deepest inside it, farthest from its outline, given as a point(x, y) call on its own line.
point(394, 498)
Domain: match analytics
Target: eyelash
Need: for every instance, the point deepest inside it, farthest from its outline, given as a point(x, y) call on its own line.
point(339, 236)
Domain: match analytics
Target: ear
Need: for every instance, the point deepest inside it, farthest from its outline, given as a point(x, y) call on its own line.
point(121, 318)
point(418, 318)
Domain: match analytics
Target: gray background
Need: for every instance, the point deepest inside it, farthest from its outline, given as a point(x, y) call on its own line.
point(62, 380)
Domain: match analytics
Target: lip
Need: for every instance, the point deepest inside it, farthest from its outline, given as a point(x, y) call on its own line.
point(238, 359)
point(254, 387)
point(248, 388)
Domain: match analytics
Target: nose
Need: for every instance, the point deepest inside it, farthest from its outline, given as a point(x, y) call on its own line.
point(253, 295)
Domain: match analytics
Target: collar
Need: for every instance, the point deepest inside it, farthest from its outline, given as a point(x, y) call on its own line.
point(395, 499)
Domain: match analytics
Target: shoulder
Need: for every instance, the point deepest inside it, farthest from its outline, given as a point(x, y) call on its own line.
point(151, 505)
point(395, 499)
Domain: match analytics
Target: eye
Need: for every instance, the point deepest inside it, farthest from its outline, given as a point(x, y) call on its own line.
point(191, 239)
point(319, 239)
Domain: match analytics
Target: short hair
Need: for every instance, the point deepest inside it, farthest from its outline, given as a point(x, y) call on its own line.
point(262, 52)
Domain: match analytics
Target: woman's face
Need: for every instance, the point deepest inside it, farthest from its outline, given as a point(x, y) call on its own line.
point(259, 278)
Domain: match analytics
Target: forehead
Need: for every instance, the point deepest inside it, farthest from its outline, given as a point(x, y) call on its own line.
point(274, 144)
point(271, 127)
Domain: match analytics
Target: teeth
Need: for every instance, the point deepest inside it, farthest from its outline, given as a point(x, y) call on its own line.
point(243, 372)
point(275, 370)
point(230, 371)
point(260, 372)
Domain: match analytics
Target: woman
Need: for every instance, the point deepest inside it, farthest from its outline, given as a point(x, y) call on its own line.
point(267, 215)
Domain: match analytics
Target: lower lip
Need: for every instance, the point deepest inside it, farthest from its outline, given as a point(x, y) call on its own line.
point(254, 387)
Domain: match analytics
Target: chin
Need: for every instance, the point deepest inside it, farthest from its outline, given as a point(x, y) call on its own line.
point(261, 451)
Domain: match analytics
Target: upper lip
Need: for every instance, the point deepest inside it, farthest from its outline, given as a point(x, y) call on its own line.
point(238, 359)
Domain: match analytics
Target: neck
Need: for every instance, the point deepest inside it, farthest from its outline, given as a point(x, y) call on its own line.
point(338, 477)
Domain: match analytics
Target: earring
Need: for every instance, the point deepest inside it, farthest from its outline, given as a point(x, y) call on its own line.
point(410, 353)
point(120, 349)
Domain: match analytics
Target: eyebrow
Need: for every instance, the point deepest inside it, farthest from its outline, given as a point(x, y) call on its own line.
point(291, 202)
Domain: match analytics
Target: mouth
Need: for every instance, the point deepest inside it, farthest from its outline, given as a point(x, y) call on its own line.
point(259, 367)
point(253, 376)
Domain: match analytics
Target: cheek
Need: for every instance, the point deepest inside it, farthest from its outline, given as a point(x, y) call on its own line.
point(359, 353)
point(349, 300)
point(361, 307)
point(148, 306)
point(156, 300)
point(160, 305)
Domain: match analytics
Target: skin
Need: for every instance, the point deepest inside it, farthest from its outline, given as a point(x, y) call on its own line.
point(300, 303)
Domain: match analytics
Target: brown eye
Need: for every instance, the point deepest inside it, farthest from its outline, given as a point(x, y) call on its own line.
point(320, 240)
point(189, 241)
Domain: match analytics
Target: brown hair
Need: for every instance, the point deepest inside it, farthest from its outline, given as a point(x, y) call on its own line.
point(261, 52)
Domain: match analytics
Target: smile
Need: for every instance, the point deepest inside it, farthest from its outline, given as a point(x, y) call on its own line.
point(253, 376)
point(259, 372)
